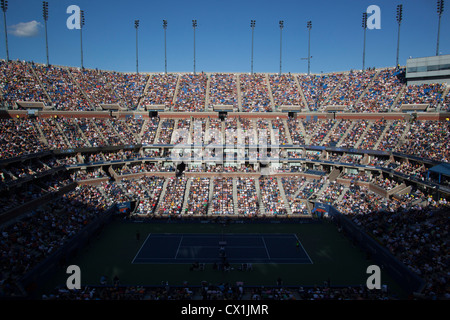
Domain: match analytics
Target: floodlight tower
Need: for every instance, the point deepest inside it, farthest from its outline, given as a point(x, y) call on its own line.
point(364, 25)
point(281, 23)
point(45, 16)
point(165, 46)
point(309, 26)
point(252, 25)
point(194, 25)
point(399, 21)
point(136, 25)
point(4, 4)
point(440, 10)
point(82, 21)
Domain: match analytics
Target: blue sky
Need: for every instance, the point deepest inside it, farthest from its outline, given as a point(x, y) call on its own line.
point(223, 35)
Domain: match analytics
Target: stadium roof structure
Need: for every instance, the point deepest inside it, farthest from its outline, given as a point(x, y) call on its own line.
point(441, 169)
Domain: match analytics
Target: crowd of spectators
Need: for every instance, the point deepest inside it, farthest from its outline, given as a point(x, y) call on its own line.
point(384, 182)
point(390, 140)
point(255, 93)
point(321, 132)
point(352, 138)
point(280, 132)
point(360, 176)
point(51, 131)
point(215, 292)
point(359, 200)
point(318, 89)
point(296, 132)
point(81, 175)
point(191, 95)
point(128, 87)
point(428, 139)
point(351, 88)
point(18, 138)
point(64, 93)
point(429, 94)
point(223, 90)
point(382, 93)
point(172, 202)
point(222, 197)
point(198, 196)
point(292, 186)
point(418, 237)
point(128, 129)
point(28, 241)
point(247, 197)
point(150, 127)
point(271, 197)
point(337, 133)
point(18, 83)
point(308, 188)
point(165, 131)
point(331, 193)
point(146, 190)
point(263, 132)
point(98, 86)
point(231, 131)
point(75, 89)
point(248, 131)
point(114, 192)
point(160, 91)
point(285, 90)
point(373, 134)
point(11, 199)
point(351, 158)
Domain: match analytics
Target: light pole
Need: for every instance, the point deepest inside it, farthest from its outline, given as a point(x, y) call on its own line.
point(4, 4)
point(309, 26)
point(399, 20)
point(165, 46)
point(194, 25)
point(136, 25)
point(440, 10)
point(45, 16)
point(281, 23)
point(364, 25)
point(82, 21)
point(252, 25)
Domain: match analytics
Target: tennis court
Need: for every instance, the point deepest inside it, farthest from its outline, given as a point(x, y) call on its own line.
point(210, 248)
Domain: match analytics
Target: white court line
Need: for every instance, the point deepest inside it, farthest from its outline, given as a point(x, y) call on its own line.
point(231, 247)
point(253, 260)
point(141, 248)
point(304, 249)
point(267, 251)
point(179, 245)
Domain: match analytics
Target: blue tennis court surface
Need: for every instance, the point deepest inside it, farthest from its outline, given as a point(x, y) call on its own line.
point(210, 248)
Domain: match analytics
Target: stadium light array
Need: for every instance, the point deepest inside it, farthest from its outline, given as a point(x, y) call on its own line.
point(440, 10)
point(281, 23)
point(4, 4)
point(165, 46)
point(194, 25)
point(252, 25)
point(364, 25)
point(309, 27)
point(136, 25)
point(399, 21)
point(82, 22)
point(45, 16)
